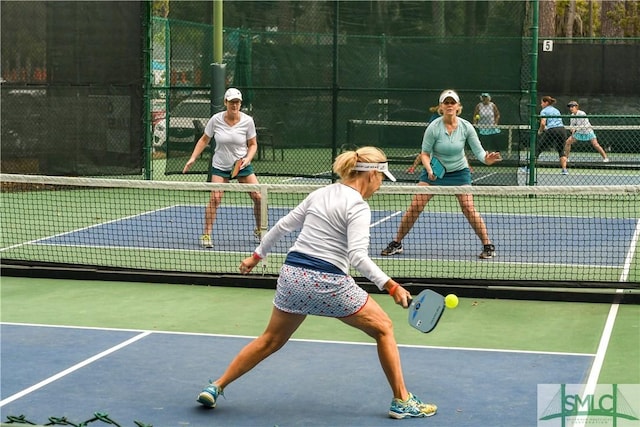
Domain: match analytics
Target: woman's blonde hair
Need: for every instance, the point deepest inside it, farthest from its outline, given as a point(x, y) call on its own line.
point(345, 162)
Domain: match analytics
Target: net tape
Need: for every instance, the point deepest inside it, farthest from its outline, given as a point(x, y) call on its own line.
point(585, 190)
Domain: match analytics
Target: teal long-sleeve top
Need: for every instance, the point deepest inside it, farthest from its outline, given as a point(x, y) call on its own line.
point(449, 149)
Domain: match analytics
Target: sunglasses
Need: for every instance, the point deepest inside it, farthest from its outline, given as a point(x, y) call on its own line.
point(571, 105)
point(449, 102)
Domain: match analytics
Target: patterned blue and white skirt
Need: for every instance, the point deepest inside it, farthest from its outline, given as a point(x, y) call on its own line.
point(306, 291)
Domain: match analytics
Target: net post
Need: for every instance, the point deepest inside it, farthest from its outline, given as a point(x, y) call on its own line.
point(264, 219)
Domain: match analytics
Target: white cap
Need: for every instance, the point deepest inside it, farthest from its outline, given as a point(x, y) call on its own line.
point(232, 93)
point(449, 94)
point(380, 167)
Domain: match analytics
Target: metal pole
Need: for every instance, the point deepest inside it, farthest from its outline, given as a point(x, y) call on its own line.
point(148, 75)
point(533, 92)
point(334, 91)
point(218, 69)
point(217, 31)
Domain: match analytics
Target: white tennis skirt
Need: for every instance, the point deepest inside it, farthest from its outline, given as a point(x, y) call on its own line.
point(305, 291)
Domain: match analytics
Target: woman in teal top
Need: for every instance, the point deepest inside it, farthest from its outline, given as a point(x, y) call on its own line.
point(444, 142)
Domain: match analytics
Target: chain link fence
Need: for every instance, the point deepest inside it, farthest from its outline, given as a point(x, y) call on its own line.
point(73, 87)
point(313, 96)
point(68, 110)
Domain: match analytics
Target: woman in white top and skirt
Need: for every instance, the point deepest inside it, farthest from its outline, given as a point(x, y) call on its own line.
point(581, 131)
point(334, 226)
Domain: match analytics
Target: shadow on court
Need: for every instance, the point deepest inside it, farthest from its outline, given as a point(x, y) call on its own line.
point(155, 377)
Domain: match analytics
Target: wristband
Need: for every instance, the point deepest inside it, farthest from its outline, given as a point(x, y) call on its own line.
point(393, 289)
point(256, 256)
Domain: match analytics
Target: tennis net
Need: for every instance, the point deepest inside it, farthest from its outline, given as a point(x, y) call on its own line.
point(573, 235)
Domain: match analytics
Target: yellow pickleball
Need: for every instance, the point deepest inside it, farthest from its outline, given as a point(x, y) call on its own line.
point(451, 301)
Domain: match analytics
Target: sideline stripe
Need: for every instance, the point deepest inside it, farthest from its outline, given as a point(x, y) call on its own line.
point(629, 258)
point(72, 369)
point(596, 367)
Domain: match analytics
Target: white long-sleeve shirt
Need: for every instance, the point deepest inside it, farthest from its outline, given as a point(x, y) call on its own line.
point(334, 222)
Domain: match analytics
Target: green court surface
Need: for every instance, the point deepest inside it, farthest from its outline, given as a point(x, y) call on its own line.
point(537, 326)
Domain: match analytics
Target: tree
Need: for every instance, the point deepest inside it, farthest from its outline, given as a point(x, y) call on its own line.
point(629, 18)
point(547, 18)
point(160, 8)
point(571, 18)
point(609, 16)
point(591, 18)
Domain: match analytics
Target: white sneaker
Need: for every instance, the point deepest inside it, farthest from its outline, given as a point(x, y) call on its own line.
point(564, 172)
point(488, 251)
point(205, 241)
point(605, 160)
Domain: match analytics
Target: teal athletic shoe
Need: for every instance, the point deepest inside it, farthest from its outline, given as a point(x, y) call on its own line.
point(209, 395)
point(411, 408)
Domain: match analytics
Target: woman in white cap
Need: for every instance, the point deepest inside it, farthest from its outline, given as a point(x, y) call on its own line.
point(235, 134)
point(443, 147)
point(314, 280)
point(581, 130)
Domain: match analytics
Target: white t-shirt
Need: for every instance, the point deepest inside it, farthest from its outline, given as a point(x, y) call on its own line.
point(231, 141)
point(334, 222)
point(580, 123)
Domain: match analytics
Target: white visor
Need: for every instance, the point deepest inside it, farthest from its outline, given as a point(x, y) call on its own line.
point(380, 167)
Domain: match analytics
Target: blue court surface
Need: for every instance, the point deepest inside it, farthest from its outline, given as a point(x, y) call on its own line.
point(535, 239)
point(531, 239)
point(154, 377)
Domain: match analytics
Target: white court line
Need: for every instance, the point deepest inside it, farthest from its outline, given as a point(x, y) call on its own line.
point(470, 349)
point(596, 367)
point(632, 249)
point(72, 369)
point(384, 219)
point(489, 175)
point(89, 227)
point(204, 334)
point(625, 266)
